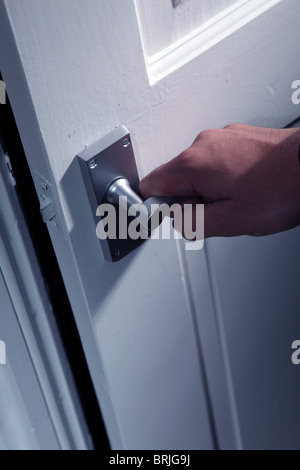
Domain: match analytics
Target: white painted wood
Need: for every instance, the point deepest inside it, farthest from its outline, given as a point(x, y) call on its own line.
point(16, 428)
point(150, 325)
point(187, 47)
point(39, 406)
point(258, 306)
point(163, 25)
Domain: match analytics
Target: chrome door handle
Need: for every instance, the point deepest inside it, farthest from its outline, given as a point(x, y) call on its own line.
point(121, 193)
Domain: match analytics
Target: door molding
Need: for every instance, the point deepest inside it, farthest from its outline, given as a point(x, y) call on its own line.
point(33, 310)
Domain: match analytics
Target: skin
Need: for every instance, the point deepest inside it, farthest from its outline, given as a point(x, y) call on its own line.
point(247, 177)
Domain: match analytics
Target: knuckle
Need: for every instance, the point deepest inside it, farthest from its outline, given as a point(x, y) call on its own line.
point(186, 156)
point(208, 134)
point(234, 126)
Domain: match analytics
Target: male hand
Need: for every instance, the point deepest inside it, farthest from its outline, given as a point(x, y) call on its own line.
point(247, 177)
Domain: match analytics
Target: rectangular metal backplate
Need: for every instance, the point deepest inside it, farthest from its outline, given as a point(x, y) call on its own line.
point(102, 163)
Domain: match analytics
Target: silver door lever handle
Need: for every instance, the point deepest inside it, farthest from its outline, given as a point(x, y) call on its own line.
point(121, 187)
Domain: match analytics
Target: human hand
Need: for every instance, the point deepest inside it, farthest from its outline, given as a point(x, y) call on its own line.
point(247, 177)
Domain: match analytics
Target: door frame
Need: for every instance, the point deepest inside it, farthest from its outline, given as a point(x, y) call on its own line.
point(34, 312)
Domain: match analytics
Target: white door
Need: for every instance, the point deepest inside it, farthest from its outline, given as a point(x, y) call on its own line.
point(172, 337)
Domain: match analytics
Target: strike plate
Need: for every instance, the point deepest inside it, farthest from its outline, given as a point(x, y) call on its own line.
point(110, 158)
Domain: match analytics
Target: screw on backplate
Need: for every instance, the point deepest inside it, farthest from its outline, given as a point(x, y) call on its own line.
point(116, 254)
point(93, 164)
point(126, 142)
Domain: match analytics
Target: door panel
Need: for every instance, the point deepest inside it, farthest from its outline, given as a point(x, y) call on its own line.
point(257, 286)
point(151, 326)
point(162, 25)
